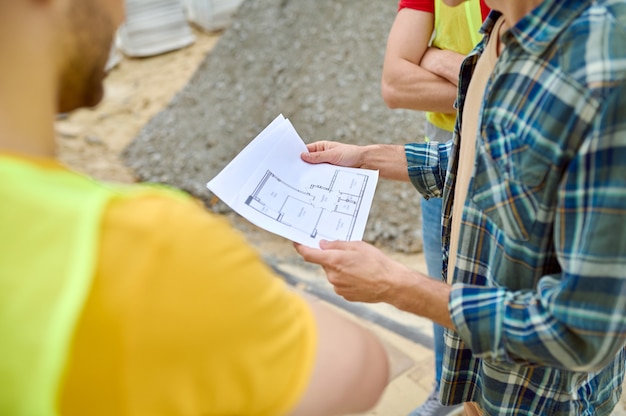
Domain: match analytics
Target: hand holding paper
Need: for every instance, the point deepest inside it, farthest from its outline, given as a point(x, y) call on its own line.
point(271, 186)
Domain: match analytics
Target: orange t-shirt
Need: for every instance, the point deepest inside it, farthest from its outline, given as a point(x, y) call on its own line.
point(183, 317)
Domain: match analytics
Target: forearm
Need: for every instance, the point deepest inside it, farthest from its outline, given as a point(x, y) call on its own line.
point(443, 63)
point(388, 159)
point(423, 296)
point(405, 84)
point(359, 272)
point(412, 87)
point(424, 164)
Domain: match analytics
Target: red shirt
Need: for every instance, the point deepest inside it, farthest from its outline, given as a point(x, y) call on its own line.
point(429, 6)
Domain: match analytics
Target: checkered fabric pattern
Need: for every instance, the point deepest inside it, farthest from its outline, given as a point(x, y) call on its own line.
point(539, 294)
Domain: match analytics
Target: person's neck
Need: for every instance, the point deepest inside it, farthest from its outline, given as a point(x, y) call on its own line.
point(513, 10)
point(27, 114)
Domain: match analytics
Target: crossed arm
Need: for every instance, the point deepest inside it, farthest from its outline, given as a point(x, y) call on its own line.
point(415, 75)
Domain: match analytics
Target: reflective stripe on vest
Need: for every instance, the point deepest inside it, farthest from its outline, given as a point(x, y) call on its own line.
point(50, 224)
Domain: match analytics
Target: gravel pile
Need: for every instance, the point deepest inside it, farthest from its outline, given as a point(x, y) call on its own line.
point(317, 62)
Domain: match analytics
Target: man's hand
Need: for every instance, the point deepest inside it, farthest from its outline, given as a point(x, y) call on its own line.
point(358, 271)
point(388, 159)
point(334, 153)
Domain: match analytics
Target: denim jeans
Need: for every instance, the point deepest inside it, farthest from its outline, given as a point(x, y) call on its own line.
point(431, 231)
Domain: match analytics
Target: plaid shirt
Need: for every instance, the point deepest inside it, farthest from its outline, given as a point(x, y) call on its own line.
point(539, 293)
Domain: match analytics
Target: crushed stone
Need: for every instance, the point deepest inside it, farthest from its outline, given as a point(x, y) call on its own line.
point(318, 63)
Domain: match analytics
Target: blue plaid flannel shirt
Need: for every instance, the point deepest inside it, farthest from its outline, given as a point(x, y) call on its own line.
point(539, 292)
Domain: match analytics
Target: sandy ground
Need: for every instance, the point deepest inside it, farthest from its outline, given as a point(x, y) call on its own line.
point(91, 141)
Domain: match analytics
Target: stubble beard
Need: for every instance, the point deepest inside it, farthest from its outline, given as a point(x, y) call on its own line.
point(89, 40)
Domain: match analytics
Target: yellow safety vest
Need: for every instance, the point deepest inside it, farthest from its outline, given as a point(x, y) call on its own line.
point(456, 29)
point(50, 223)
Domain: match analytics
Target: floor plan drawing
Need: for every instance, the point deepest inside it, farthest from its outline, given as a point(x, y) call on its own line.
point(270, 185)
point(322, 210)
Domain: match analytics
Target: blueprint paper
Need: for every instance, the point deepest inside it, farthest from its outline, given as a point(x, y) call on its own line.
point(272, 187)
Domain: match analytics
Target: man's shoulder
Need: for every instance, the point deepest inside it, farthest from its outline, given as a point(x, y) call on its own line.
point(615, 8)
point(591, 48)
point(167, 217)
point(421, 5)
point(601, 20)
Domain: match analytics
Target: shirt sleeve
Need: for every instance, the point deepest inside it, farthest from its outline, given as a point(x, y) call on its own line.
point(429, 6)
point(427, 164)
point(185, 318)
point(484, 9)
point(421, 5)
point(574, 319)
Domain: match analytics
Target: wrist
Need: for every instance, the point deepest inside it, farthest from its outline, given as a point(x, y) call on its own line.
point(368, 157)
point(403, 290)
point(388, 159)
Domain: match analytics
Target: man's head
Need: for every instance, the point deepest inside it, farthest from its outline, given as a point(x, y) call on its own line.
point(62, 44)
point(86, 44)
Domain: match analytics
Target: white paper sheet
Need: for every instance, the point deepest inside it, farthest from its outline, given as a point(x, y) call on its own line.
point(272, 187)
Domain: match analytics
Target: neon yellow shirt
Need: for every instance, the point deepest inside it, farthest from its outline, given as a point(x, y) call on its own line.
point(456, 29)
